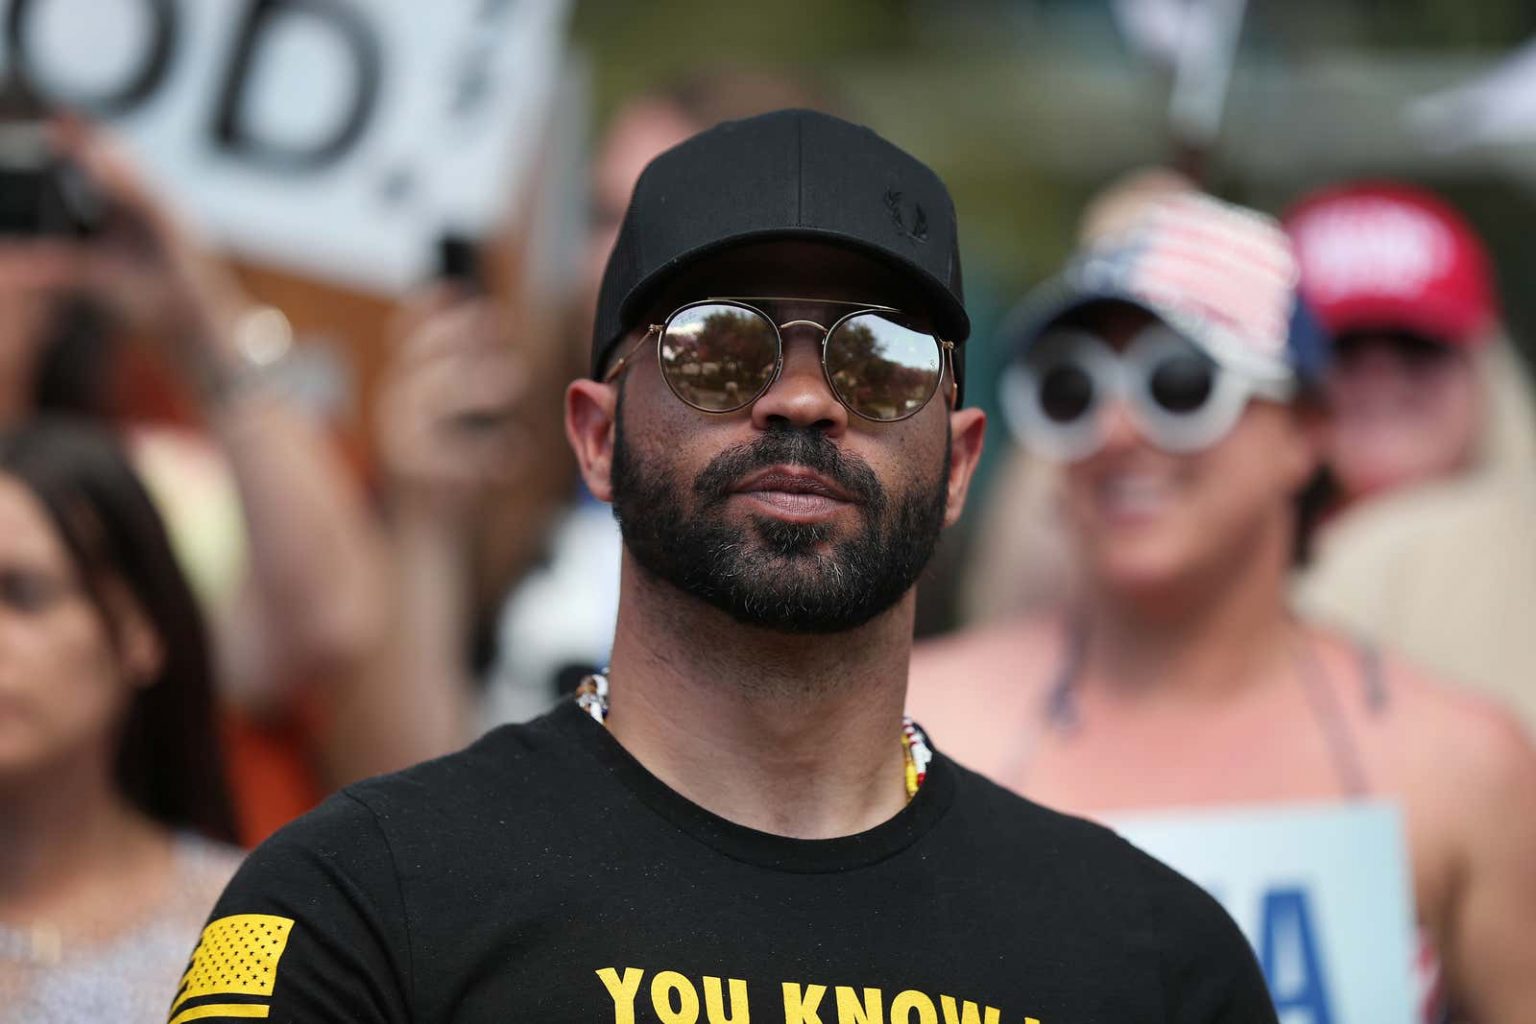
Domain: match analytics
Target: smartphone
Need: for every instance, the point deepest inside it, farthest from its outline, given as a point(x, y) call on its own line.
point(458, 261)
point(41, 193)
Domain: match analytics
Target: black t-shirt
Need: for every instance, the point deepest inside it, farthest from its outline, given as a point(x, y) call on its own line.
point(543, 875)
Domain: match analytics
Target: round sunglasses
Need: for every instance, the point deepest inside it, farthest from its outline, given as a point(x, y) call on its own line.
point(1181, 399)
point(721, 355)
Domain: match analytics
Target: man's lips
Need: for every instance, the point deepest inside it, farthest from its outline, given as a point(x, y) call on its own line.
point(789, 480)
point(794, 494)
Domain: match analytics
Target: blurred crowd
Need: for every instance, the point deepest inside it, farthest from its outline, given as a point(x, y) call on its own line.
point(1297, 545)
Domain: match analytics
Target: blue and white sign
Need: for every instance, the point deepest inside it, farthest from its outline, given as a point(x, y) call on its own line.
point(1322, 892)
point(337, 137)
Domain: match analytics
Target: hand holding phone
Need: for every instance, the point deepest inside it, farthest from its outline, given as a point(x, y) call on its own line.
point(451, 423)
point(43, 194)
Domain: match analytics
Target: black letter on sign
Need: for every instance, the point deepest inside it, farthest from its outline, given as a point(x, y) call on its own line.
point(354, 30)
point(138, 87)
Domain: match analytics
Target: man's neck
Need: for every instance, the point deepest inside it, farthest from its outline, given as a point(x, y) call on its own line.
point(1200, 638)
point(795, 735)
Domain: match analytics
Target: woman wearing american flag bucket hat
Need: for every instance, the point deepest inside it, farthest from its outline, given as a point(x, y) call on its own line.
point(1173, 378)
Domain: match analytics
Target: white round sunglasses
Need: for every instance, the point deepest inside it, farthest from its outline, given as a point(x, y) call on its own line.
point(1180, 398)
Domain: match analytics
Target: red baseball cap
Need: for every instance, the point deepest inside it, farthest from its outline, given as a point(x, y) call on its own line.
point(1381, 256)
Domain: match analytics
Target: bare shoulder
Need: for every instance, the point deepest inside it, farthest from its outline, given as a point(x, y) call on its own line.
point(1458, 716)
point(963, 684)
point(1469, 743)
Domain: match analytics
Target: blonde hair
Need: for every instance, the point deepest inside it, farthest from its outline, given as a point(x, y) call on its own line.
point(1507, 447)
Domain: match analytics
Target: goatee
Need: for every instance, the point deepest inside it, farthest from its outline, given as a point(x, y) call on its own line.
point(790, 577)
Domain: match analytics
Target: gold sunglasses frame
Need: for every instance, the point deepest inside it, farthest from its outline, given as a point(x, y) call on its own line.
point(946, 351)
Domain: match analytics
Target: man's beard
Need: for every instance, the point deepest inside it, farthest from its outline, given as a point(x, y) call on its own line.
point(771, 573)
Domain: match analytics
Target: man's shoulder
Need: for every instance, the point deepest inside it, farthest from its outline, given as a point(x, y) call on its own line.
point(1088, 862)
point(500, 776)
point(478, 799)
point(507, 766)
point(1014, 820)
point(1069, 869)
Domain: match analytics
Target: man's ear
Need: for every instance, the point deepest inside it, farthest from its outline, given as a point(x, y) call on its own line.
point(967, 431)
point(591, 411)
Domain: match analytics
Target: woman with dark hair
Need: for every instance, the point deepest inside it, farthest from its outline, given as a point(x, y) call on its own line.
point(114, 820)
point(125, 316)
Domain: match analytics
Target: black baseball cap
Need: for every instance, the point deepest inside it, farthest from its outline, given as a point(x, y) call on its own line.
point(790, 174)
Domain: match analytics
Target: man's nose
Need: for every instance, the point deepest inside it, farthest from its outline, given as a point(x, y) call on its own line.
point(801, 396)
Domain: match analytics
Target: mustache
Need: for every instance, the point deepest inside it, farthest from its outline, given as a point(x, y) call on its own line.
point(805, 447)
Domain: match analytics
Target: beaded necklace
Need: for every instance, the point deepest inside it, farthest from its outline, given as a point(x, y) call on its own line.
point(592, 697)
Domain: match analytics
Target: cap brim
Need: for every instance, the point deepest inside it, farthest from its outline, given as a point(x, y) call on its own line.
point(950, 319)
point(1428, 320)
point(1057, 298)
point(1061, 296)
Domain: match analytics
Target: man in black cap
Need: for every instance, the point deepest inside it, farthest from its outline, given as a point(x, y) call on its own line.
point(734, 822)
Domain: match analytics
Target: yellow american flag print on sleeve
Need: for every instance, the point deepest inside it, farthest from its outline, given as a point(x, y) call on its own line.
point(233, 969)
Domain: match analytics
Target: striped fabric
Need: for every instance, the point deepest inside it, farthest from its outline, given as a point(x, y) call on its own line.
point(233, 969)
point(1210, 263)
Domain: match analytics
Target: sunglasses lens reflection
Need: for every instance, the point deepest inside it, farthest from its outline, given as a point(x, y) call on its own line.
point(1183, 383)
point(718, 357)
point(883, 369)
